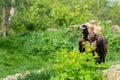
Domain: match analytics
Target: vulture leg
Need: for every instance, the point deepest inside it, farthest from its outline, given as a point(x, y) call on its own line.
point(81, 45)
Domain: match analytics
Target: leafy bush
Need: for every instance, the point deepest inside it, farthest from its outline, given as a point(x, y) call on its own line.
point(112, 39)
point(44, 42)
point(40, 15)
point(70, 65)
point(66, 15)
point(33, 17)
point(73, 65)
point(48, 42)
point(114, 43)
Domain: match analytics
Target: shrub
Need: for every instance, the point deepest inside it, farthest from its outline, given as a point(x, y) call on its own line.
point(69, 15)
point(113, 40)
point(45, 42)
point(40, 15)
point(33, 17)
point(73, 65)
point(70, 65)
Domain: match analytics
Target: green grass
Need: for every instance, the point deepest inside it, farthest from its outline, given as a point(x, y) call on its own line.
point(113, 57)
point(16, 62)
point(46, 74)
point(29, 52)
point(43, 75)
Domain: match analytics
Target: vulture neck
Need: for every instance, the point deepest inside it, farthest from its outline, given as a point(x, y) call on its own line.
point(85, 34)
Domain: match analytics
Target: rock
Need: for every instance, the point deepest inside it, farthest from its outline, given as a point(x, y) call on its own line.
point(14, 77)
point(113, 73)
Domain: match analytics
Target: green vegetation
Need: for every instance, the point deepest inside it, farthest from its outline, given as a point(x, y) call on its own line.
point(70, 65)
point(30, 46)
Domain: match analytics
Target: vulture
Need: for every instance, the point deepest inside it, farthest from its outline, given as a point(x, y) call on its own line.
point(98, 41)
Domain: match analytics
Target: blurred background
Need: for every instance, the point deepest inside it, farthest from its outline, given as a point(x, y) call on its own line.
point(31, 31)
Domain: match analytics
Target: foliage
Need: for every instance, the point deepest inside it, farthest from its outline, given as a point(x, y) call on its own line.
point(65, 15)
point(112, 39)
point(73, 65)
point(115, 41)
point(112, 43)
point(41, 47)
point(48, 42)
point(30, 45)
point(70, 65)
point(41, 15)
point(34, 17)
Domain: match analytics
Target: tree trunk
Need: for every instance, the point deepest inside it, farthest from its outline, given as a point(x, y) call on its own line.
point(8, 11)
point(4, 20)
point(12, 9)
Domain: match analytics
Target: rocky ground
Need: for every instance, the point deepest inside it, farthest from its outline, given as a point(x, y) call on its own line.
point(112, 73)
point(14, 77)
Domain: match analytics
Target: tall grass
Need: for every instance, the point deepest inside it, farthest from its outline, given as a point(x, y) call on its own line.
point(29, 51)
point(33, 50)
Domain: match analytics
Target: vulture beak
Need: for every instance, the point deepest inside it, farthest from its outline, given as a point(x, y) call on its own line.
point(82, 27)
